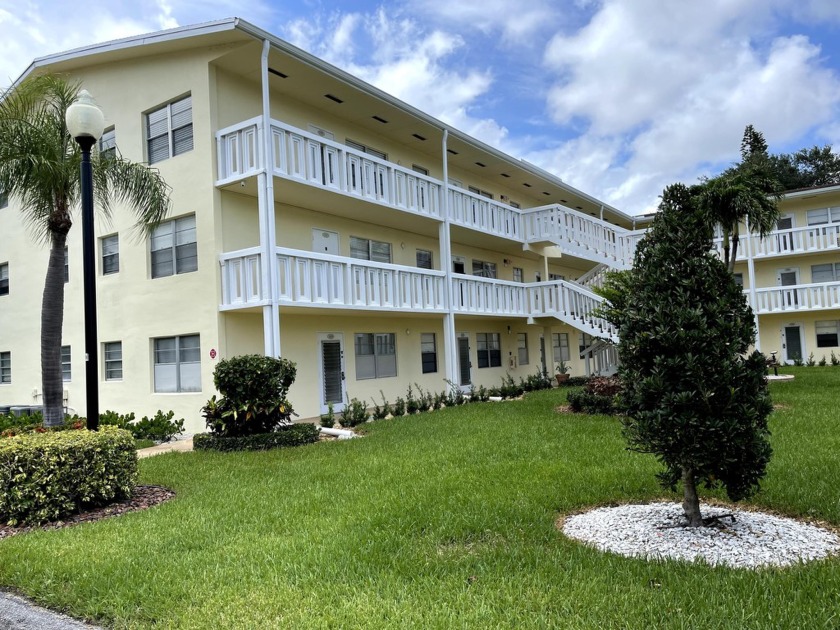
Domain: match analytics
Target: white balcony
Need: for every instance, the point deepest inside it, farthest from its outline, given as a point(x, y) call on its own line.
point(480, 213)
point(800, 297)
point(794, 242)
point(323, 281)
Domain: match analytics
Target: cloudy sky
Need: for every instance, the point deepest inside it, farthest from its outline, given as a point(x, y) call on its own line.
point(617, 97)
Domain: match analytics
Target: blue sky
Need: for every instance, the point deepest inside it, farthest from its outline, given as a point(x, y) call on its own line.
point(618, 97)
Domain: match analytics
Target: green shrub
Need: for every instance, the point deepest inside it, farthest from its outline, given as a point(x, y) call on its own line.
point(411, 404)
point(582, 401)
point(114, 419)
point(834, 359)
point(398, 408)
point(328, 419)
point(380, 412)
point(355, 413)
point(822, 362)
point(45, 476)
point(253, 392)
point(811, 362)
point(160, 427)
point(439, 400)
point(287, 435)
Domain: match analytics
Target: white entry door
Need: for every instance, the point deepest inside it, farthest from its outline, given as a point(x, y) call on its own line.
point(325, 242)
point(787, 278)
point(331, 359)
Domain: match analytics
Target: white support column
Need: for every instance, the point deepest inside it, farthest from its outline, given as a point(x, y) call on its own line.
point(751, 278)
point(268, 228)
point(444, 235)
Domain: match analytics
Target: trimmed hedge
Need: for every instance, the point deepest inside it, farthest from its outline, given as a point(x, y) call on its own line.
point(45, 476)
point(289, 435)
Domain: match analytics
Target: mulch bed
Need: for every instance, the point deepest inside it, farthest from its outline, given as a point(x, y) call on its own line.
point(144, 497)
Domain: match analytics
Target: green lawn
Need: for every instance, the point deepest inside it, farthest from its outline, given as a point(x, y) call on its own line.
point(445, 520)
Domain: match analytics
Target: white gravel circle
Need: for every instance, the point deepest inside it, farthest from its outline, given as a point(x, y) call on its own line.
point(754, 540)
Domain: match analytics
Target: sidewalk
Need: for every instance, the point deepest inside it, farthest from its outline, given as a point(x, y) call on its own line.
point(18, 613)
point(179, 446)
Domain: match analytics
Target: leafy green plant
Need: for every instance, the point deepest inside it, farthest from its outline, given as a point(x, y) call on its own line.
point(834, 360)
point(424, 399)
point(355, 413)
point(380, 412)
point(811, 362)
point(411, 404)
point(253, 392)
point(439, 400)
point(398, 408)
point(47, 475)
point(328, 419)
point(287, 435)
point(822, 362)
point(161, 427)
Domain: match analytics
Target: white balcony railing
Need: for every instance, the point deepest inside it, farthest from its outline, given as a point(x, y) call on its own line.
point(570, 303)
point(795, 241)
point(472, 294)
point(480, 213)
point(800, 297)
point(239, 151)
point(241, 278)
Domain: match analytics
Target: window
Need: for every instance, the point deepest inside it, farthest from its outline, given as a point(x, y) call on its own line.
point(110, 254)
point(522, 348)
point(830, 272)
point(428, 352)
point(366, 149)
point(376, 355)
point(478, 191)
point(169, 130)
point(424, 259)
point(739, 279)
point(4, 200)
point(489, 350)
point(65, 364)
point(174, 248)
point(514, 204)
point(112, 351)
point(108, 143)
point(367, 249)
point(827, 334)
point(177, 364)
point(66, 265)
point(518, 274)
point(560, 346)
point(822, 216)
point(484, 269)
point(5, 367)
point(419, 169)
point(584, 341)
point(555, 276)
point(4, 279)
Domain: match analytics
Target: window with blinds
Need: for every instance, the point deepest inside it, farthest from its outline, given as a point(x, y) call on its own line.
point(368, 249)
point(428, 352)
point(560, 347)
point(174, 248)
point(108, 143)
point(169, 130)
point(488, 352)
point(5, 367)
point(484, 269)
point(376, 355)
point(66, 372)
point(113, 360)
point(829, 272)
point(178, 364)
point(424, 259)
point(4, 279)
point(110, 254)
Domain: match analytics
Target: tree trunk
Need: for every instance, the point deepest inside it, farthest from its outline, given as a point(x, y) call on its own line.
point(52, 318)
point(726, 247)
point(691, 502)
point(735, 240)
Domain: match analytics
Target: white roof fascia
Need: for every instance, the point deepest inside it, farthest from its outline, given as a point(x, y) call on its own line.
point(811, 192)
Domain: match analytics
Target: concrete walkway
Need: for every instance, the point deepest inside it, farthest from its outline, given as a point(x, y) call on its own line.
point(18, 613)
point(176, 446)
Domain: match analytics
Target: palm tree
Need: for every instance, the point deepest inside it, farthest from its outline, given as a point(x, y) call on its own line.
point(745, 193)
point(39, 169)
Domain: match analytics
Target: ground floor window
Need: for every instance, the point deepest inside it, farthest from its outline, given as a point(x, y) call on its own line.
point(489, 350)
point(376, 355)
point(113, 360)
point(828, 334)
point(428, 352)
point(66, 372)
point(5, 367)
point(522, 348)
point(560, 346)
point(177, 364)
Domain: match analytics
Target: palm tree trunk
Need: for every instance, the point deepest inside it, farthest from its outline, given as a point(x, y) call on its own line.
point(726, 247)
point(691, 502)
point(52, 318)
point(735, 240)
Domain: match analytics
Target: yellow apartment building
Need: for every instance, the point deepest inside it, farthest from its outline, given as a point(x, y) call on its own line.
point(316, 217)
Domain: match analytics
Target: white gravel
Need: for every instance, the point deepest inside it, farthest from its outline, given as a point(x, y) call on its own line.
point(754, 540)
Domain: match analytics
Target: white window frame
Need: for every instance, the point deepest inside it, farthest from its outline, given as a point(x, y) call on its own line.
point(428, 346)
point(373, 247)
point(425, 253)
point(176, 376)
point(112, 360)
point(66, 364)
point(560, 347)
point(174, 122)
point(833, 326)
point(379, 362)
point(484, 269)
point(109, 246)
point(5, 368)
point(522, 348)
point(107, 143)
point(835, 272)
point(488, 347)
point(175, 236)
point(518, 274)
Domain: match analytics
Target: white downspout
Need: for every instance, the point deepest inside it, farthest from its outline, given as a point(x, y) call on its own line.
point(450, 342)
point(753, 295)
point(268, 228)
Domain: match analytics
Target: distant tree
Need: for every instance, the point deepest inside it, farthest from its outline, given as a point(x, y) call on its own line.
point(745, 193)
point(693, 396)
point(39, 168)
point(817, 166)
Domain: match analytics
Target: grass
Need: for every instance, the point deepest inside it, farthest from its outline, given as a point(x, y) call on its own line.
point(138, 444)
point(440, 521)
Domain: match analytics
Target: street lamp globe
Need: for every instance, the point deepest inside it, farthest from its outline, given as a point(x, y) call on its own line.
point(84, 118)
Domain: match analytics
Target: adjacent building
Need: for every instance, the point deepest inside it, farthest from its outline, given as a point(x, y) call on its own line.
point(316, 217)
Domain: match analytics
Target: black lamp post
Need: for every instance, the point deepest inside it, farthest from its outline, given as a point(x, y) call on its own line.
point(85, 123)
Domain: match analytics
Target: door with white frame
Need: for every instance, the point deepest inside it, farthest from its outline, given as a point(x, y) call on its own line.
point(784, 239)
point(786, 278)
point(331, 363)
point(793, 342)
point(464, 363)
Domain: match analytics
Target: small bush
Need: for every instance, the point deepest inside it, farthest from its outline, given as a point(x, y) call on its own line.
point(424, 399)
point(253, 389)
point(114, 419)
point(288, 435)
point(44, 477)
point(822, 362)
point(160, 427)
point(328, 419)
point(380, 412)
point(599, 396)
point(355, 413)
point(399, 407)
point(834, 360)
point(439, 400)
point(811, 362)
